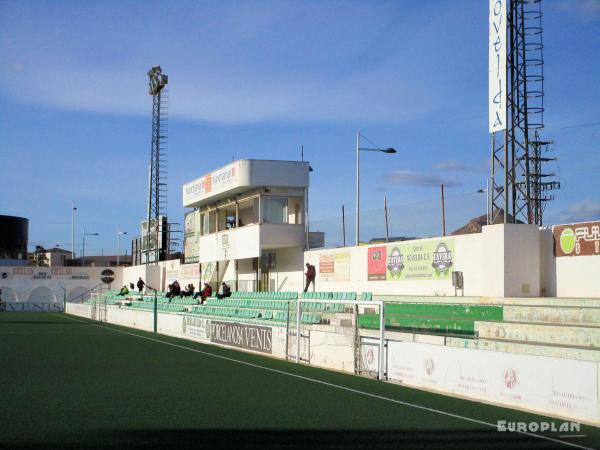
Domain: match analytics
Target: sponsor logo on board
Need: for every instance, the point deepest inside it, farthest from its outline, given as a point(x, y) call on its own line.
point(578, 239)
point(510, 378)
point(107, 276)
point(429, 366)
point(395, 262)
point(442, 258)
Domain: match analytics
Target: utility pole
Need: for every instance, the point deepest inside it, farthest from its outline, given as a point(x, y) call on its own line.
point(443, 213)
point(344, 225)
point(385, 208)
point(73, 209)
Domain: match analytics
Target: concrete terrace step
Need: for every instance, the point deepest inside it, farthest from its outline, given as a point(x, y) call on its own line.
point(539, 333)
point(522, 301)
point(556, 351)
point(589, 316)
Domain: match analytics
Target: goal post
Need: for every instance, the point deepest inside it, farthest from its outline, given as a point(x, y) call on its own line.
point(329, 307)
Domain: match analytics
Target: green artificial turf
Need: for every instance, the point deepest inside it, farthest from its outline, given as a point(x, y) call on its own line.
point(69, 382)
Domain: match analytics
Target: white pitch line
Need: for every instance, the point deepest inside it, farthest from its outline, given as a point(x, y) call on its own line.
point(337, 386)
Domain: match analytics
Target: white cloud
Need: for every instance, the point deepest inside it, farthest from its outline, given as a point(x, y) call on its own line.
point(587, 10)
point(588, 209)
point(230, 63)
point(453, 165)
point(408, 177)
point(459, 166)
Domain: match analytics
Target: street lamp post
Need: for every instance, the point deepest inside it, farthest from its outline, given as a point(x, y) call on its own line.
point(73, 209)
point(83, 248)
point(388, 150)
point(119, 233)
point(487, 199)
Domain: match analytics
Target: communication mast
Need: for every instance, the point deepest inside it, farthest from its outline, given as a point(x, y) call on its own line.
point(516, 100)
point(157, 182)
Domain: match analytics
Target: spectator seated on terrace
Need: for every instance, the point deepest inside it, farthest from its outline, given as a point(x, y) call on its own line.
point(189, 292)
point(204, 293)
point(225, 291)
point(174, 290)
point(124, 291)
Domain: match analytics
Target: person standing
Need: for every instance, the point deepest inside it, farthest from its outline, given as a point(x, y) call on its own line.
point(311, 273)
point(140, 285)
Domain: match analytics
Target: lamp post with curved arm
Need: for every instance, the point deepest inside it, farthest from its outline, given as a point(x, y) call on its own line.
point(359, 149)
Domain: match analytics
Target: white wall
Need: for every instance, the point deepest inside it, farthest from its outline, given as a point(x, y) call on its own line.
point(467, 249)
point(521, 260)
point(290, 262)
point(237, 243)
point(578, 276)
point(281, 235)
point(501, 261)
point(153, 276)
point(512, 260)
point(555, 386)
point(567, 276)
point(52, 284)
point(547, 264)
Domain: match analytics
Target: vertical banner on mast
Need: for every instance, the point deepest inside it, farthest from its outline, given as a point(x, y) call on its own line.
point(497, 66)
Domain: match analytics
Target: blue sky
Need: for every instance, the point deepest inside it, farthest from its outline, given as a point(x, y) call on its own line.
point(259, 80)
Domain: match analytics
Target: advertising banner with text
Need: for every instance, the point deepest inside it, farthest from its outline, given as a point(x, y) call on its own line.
point(420, 260)
point(334, 267)
point(563, 386)
point(497, 65)
point(249, 337)
point(577, 239)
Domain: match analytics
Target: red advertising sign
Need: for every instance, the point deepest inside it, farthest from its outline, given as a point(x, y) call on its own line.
point(326, 264)
point(376, 267)
point(578, 239)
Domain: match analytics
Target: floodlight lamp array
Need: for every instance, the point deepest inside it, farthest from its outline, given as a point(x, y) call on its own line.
point(158, 80)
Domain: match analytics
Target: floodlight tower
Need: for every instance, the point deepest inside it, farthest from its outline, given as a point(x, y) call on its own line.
point(516, 110)
point(157, 182)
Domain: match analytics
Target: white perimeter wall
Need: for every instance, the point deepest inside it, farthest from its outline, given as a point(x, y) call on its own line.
point(567, 276)
point(512, 260)
point(501, 261)
point(51, 284)
point(578, 276)
point(555, 386)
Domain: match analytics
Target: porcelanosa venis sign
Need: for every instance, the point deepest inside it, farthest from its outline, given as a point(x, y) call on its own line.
point(249, 337)
point(578, 239)
point(427, 260)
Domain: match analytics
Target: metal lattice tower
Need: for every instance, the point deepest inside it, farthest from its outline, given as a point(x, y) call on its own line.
point(541, 183)
point(157, 177)
point(516, 151)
